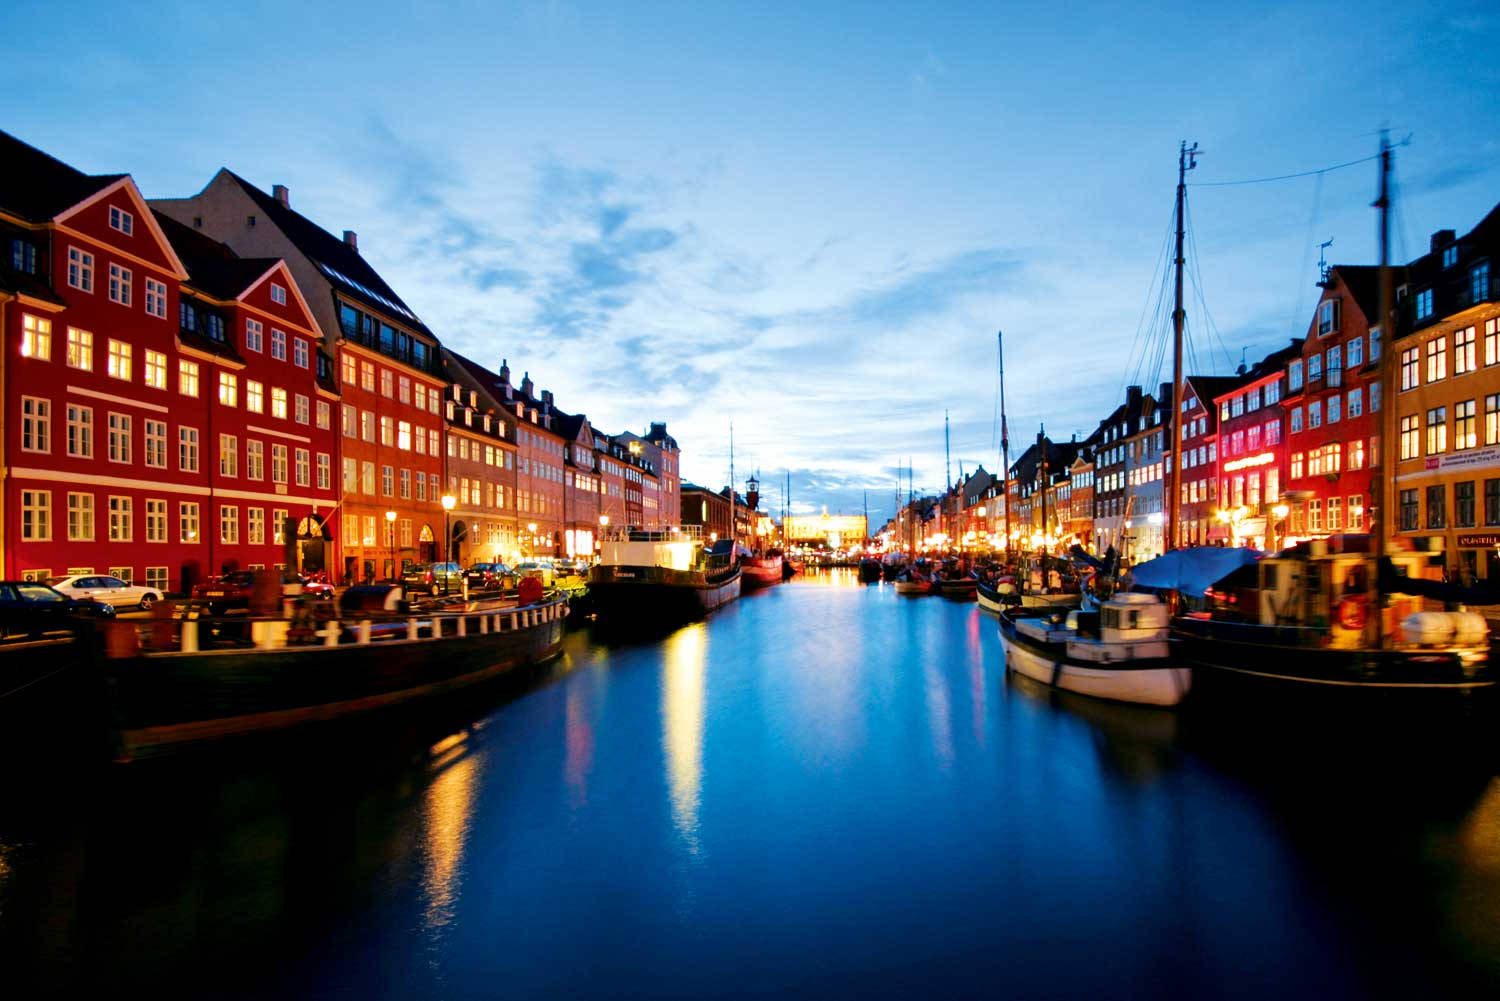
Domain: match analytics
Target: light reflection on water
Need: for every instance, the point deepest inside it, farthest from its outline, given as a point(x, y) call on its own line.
point(825, 790)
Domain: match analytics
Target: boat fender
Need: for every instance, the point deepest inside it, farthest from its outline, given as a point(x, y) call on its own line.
point(1352, 613)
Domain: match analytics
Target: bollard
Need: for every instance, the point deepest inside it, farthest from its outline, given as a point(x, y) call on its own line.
point(331, 632)
point(362, 632)
point(189, 635)
point(411, 628)
point(463, 622)
point(484, 625)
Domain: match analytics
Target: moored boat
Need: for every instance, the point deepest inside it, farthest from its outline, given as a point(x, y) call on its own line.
point(1121, 653)
point(957, 588)
point(662, 575)
point(761, 571)
point(869, 570)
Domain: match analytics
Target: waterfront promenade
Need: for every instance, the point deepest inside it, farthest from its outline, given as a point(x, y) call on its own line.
point(824, 790)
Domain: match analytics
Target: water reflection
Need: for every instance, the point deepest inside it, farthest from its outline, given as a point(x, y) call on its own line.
point(578, 737)
point(447, 808)
point(1135, 742)
point(682, 725)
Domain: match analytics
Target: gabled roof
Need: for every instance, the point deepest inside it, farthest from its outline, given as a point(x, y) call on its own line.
point(38, 187)
point(340, 263)
point(1363, 283)
point(212, 267)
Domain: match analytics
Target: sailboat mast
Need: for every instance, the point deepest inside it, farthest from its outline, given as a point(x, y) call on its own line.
point(1384, 468)
point(1004, 445)
point(1041, 448)
point(733, 535)
point(1186, 161)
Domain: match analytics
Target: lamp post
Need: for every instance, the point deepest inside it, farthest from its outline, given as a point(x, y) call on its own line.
point(390, 531)
point(449, 501)
point(531, 535)
point(603, 524)
point(1278, 513)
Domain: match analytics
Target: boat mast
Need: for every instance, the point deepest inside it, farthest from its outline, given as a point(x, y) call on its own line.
point(1041, 448)
point(1186, 161)
point(1383, 471)
point(1004, 448)
point(733, 535)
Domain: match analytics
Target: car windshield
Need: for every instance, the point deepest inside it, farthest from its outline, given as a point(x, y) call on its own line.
point(38, 592)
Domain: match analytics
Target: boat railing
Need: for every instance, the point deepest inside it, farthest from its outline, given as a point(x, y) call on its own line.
point(310, 625)
point(675, 533)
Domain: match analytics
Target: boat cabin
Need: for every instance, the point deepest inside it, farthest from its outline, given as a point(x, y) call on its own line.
point(1330, 584)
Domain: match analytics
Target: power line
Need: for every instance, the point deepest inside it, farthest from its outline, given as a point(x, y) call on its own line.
point(1284, 177)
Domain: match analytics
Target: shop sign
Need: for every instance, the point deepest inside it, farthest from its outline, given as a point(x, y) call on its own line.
point(1470, 458)
point(1478, 541)
point(1250, 461)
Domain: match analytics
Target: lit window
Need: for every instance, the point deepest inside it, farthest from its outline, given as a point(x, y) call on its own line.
point(80, 349)
point(228, 389)
point(1437, 359)
point(156, 369)
point(255, 397)
point(278, 403)
point(187, 378)
point(119, 359)
point(1424, 304)
point(1463, 351)
point(36, 337)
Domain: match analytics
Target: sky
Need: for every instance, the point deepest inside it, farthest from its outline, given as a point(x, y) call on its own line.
point(806, 220)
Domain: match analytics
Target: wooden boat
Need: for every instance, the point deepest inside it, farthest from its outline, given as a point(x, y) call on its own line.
point(166, 693)
point(761, 571)
point(957, 588)
point(662, 575)
point(998, 595)
point(1120, 653)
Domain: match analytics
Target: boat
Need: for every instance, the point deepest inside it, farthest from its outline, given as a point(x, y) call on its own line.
point(914, 581)
point(996, 591)
point(869, 570)
point(165, 692)
point(1121, 653)
point(1326, 613)
point(664, 574)
point(762, 571)
point(955, 583)
point(891, 565)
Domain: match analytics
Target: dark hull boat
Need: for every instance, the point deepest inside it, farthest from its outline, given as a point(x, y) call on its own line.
point(654, 577)
point(869, 571)
point(957, 588)
point(177, 696)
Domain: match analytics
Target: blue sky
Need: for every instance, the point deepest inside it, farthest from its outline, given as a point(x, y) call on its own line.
point(809, 219)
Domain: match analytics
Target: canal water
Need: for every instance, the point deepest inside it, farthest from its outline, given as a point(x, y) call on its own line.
point(825, 790)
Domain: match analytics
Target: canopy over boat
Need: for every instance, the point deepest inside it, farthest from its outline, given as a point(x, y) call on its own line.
point(1192, 571)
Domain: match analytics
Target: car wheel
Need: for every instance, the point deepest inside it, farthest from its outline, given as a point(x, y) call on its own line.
point(147, 600)
point(433, 591)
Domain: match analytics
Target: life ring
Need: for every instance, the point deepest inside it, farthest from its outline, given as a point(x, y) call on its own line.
point(1351, 612)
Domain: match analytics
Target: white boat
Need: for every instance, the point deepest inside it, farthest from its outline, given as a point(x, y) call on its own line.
point(1120, 653)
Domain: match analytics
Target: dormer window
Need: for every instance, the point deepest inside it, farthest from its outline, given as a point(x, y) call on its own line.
point(278, 294)
point(486, 422)
point(450, 410)
point(1450, 255)
point(1328, 317)
point(121, 220)
point(468, 417)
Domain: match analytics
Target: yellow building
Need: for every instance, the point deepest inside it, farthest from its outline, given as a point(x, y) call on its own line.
point(1447, 397)
point(837, 531)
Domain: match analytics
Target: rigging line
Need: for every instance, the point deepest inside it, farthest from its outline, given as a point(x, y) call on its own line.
point(1312, 222)
point(1283, 177)
point(1197, 283)
point(1150, 334)
point(1140, 323)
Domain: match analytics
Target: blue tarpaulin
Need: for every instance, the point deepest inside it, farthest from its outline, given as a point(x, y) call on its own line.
point(1191, 571)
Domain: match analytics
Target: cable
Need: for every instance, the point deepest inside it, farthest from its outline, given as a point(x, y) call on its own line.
point(1283, 177)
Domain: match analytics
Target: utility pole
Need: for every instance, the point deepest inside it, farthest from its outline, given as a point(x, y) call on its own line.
point(1186, 161)
point(1383, 471)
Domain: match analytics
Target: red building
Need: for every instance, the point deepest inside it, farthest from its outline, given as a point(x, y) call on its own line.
point(1252, 454)
point(1199, 427)
point(1332, 397)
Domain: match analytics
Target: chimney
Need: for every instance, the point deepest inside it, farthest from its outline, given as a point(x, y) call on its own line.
point(547, 399)
point(352, 239)
point(1441, 239)
point(526, 384)
point(504, 372)
point(1133, 397)
point(282, 195)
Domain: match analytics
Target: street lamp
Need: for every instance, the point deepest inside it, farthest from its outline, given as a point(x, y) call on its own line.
point(449, 502)
point(531, 532)
point(390, 531)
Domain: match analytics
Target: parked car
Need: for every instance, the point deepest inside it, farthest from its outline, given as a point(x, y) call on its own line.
point(33, 608)
point(491, 577)
point(434, 578)
point(110, 590)
point(232, 590)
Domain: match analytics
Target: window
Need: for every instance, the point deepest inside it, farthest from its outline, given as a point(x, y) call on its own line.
point(119, 285)
point(1375, 344)
point(80, 517)
point(1315, 515)
point(1463, 504)
point(406, 484)
point(1315, 367)
point(1463, 351)
point(325, 415)
point(387, 481)
point(1492, 341)
point(1236, 406)
point(229, 523)
point(1492, 419)
point(1410, 362)
point(387, 383)
point(119, 437)
point(120, 519)
point(1374, 397)
point(187, 521)
point(255, 526)
point(187, 449)
point(229, 451)
point(1356, 453)
point(278, 294)
point(1424, 304)
point(155, 442)
point(36, 424)
point(187, 378)
point(1315, 414)
point(1356, 402)
point(1294, 376)
point(1328, 316)
point(1356, 513)
point(349, 369)
point(367, 478)
point(387, 431)
point(325, 471)
point(1492, 502)
point(278, 463)
point(1479, 283)
point(255, 459)
point(278, 344)
point(119, 359)
point(36, 515)
point(1273, 433)
point(403, 435)
point(255, 397)
point(1437, 359)
point(254, 337)
point(156, 369)
point(1437, 506)
point(23, 256)
point(1411, 438)
point(36, 337)
point(299, 352)
point(351, 476)
point(367, 376)
point(1356, 353)
point(1464, 435)
point(228, 389)
point(278, 403)
point(1272, 395)
point(80, 270)
point(120, 220)
point(1296, 424)
point(300, 408)
point(1335, 514)
point(404, 389)
point(303, 458)
point(80, 349)
point(80, 431)
point(1437, 431)
point(156, 298)
point(432, 441)
point(367, 425)
point(1408, 510)
point(1296, 470)
point(156, 520)
point(1450, 255)
point(1334, 406)
point(1335, 356)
